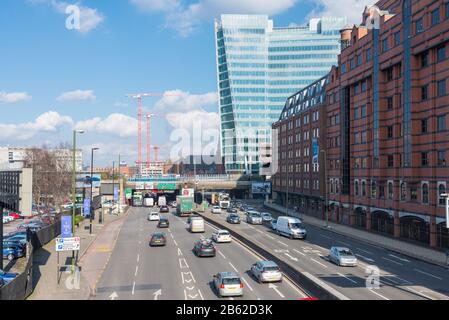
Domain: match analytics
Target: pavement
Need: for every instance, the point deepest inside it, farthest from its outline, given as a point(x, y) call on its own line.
point(70, 287)
point(137, 271)
point(400, 277)
point(406, 248)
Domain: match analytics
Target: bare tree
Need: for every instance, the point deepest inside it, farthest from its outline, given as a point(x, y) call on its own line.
point(51, 174)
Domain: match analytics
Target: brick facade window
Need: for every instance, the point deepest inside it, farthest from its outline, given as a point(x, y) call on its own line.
point(425, 193)
point(390, 190)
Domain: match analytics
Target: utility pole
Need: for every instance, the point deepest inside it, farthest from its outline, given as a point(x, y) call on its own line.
point(91, 187)
point(74, 191)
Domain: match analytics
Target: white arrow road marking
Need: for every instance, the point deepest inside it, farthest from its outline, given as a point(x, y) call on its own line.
point(183, 264)
point(179, 252)
point(297, 251)
point(113, 296)
point(247, 284)
point(292, 258)
point(342, 275)
point(193, 297)
point(190, 288)
point(324, 266)
point(184, 280)
point(365, 258)
point(157, 294)
point(272, 286)
point(428, 274)
point(399, 258)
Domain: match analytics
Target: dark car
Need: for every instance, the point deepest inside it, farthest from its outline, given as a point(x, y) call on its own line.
point(7, 277)
point(12, 252)
point(231, 210)
point(233, 218)
point(163, 223)
point(164, 209)
point(158, 239)
point(204, 248)
point(14, 242)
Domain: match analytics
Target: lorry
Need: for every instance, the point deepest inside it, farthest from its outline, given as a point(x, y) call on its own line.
point(224, 200)
point(149, 202)
point(137, 199)
point(184, 206)
point(161, 201)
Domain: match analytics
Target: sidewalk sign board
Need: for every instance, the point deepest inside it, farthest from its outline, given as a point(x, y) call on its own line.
point(66, 226)
point(68, 244)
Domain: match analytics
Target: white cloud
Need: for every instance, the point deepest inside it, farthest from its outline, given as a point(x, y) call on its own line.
point(14, 97)
point(185, 19)
point(120, 104)
point(116, 124)
point(77, 95)
point(90, 18)
point(50, 121)
point(352, 9)
point(178, 100)
point(186, 120)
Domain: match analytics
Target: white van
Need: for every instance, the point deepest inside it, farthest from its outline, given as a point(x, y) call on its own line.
point(291, 227)
point(196, 224)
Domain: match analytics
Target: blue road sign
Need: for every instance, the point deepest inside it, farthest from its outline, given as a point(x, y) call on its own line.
point(315, 150)
point(66, 226)
point(115, 194)
point(87, 207)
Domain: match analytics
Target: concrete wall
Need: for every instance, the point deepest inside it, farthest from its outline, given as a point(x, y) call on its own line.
point(26, 191)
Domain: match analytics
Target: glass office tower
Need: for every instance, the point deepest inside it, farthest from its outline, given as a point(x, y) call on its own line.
point(258, 68)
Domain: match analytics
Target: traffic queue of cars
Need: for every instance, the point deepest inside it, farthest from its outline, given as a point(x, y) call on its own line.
point(225, 284)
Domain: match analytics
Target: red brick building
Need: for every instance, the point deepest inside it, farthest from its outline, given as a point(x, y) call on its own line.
point(387, 123)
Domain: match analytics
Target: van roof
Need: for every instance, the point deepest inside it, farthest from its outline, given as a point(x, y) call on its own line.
point(289, 218)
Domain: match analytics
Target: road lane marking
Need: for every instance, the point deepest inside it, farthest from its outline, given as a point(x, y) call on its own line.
point(269, 236)
point(378, 294)
point(365, 258)
point(259, 231)
point(284, 244)
point(275, 288)
point(428, 274)
point(325, 236)
point(138, 257)
point(221, 254)
point(201, 295)
point(171, 235)
point(185, 294)
point(402, 259)
point(405, 281)
point(398, 263)
point(174, 241)
point(134, 286)
point(179, 252)
point(420, 293)
point(342, 275)
point(344, 243)
point(137, 269)
point(318, 263)
point(233, 267)
point(185, 266)
point(366, 251)
point(291, 257)
point(297, 251)
point(247, 284)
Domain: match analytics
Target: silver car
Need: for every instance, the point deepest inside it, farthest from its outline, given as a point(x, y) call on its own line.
point(266, 217)
point(266, 271)
point(342, 257)
point(254, 217)
point(228, 284)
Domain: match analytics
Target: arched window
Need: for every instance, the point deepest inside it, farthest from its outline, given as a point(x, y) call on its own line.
point(356, 188)
point(390, 190)
point(337, 182)
point(441, 190)
point(403, 191)
point(373, 189)
point(425, 193)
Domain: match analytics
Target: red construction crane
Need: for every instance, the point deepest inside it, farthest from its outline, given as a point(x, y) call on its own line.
point(139, 97)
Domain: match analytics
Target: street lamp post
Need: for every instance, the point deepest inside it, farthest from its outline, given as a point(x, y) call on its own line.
point(325, 186)
point(74, 191)
point(91, 187)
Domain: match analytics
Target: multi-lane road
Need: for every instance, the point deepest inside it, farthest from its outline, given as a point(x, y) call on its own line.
point(401, 277)
point(137, 271)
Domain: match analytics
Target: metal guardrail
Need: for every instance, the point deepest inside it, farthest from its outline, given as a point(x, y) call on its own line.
point(310, 286)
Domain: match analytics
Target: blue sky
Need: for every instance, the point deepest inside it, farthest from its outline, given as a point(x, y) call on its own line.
point(123, 46)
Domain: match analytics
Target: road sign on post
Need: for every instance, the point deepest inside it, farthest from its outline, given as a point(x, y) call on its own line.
point(86, 207)
point(68, 244)
point(66, 226)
